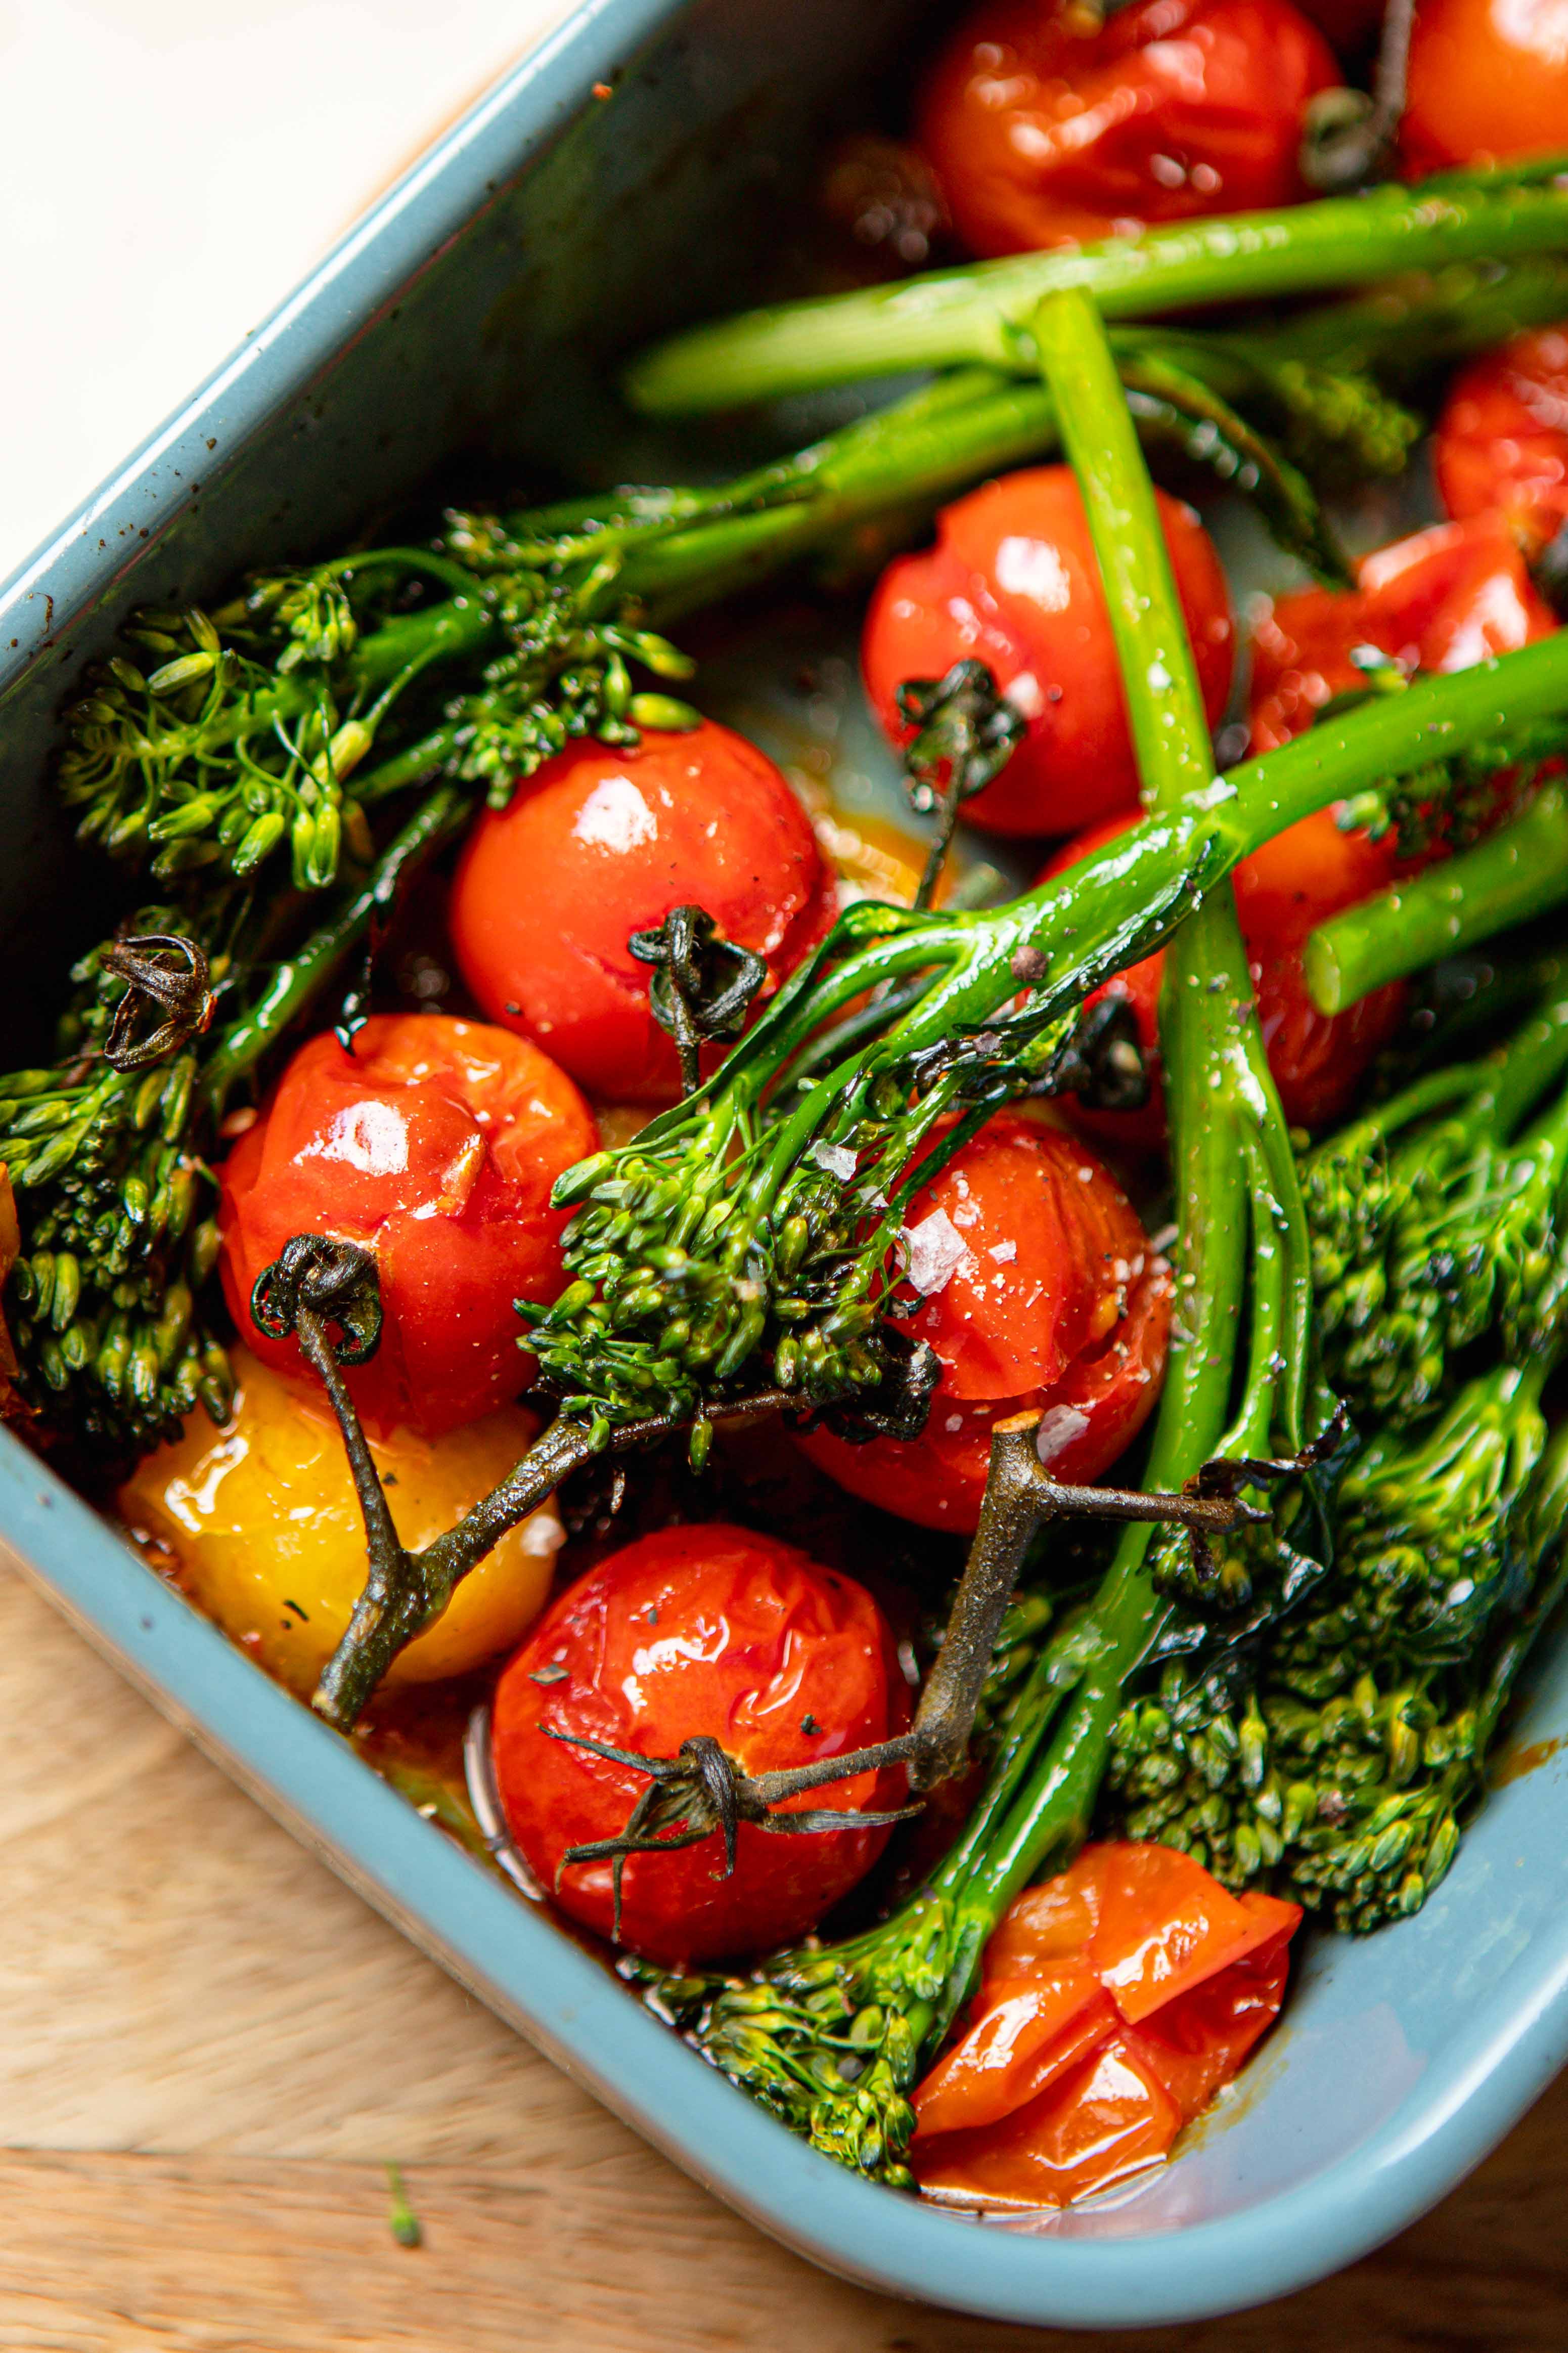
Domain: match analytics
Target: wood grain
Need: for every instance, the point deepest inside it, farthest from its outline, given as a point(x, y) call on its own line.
point(205, 2060)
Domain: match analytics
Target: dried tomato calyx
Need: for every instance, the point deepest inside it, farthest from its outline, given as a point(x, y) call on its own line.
point(702, 1790)
point(327, 1281)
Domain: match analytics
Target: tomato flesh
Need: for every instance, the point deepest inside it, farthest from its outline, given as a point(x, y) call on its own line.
point(1012, 582)
point(1114, 2001)
point(436, 1142)
point(715, 1631)
point(1488, 80)
point(1503, 439)
point(601, 843)
point(1048, 126)
point(1054, 1298)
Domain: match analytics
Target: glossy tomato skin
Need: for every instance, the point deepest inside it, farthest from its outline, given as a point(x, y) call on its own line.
point(1012, 582)
point(601, 843)
point(708, 1630)
point(1283, 891)
point(1488, 80)
point(1441, 600)
point(1058, 1301)
point(436, 1142)
point(263, 1523)
point(1502, 438)
point(1047, 128)
point(1115, 2000)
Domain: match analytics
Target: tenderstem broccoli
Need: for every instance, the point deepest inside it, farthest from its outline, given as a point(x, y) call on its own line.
point(833, 2041)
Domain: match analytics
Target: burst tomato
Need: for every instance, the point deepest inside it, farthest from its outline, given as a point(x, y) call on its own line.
point(1040, 1288)
point(1114, 2001)
point(1489, 78)
point(436, 1142)
point(699, 1631)
point(1440, 600)
point(1012, 582)
point(1049, 125)
point(1502, 438)
point(603, 843)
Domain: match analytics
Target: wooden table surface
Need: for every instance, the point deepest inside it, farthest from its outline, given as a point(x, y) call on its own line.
point(209, 2049)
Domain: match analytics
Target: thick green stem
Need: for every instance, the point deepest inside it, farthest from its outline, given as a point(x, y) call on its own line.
point(1516, 873)
point(1221, 1104)
point(985, 313)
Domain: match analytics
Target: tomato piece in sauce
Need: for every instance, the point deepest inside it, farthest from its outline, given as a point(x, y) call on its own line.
point(1115, 2000)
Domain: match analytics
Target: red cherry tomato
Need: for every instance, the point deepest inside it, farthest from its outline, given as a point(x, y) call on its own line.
point(699, 1631)
point(1012, 582)
point(436, 1142)
point(1502, 438)
point(1441, 600)
point(1048, 126)
point(1283, 891)
point(1115, 2001)
point(1489, 78)
point(603, 843)
point(1042, 1290)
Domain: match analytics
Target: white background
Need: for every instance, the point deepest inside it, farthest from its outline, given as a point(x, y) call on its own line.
point(168, 169)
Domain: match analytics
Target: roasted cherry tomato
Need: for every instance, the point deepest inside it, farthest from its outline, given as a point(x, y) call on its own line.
point(699, 1631)
point(1489, 78)
point(1282, 892)
point(436, 1142)
point(1503, 439)
point(1039, 1289)
point(1012, 582)
point(1114, 2001)
point(264, 1531)
point(603, 843)
point(1050, 124)
point(1441, 600)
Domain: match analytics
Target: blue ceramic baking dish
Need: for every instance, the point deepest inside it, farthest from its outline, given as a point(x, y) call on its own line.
point(473, 306)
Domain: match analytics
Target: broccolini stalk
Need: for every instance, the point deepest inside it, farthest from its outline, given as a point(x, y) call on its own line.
point(1432, 1225)
point(986, 312)
point(107, 1150)
point(287, 715)
point(1508, 878)
point(833, 2041)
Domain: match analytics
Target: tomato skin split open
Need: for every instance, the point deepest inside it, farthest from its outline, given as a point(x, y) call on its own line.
point(1115, 2001)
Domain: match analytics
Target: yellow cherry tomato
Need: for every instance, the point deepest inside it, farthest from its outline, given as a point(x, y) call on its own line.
point(265, 1530)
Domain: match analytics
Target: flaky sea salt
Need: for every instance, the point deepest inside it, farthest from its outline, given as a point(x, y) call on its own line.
point(1058, 1429)
point(933, 1253)
point(838, 1159)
